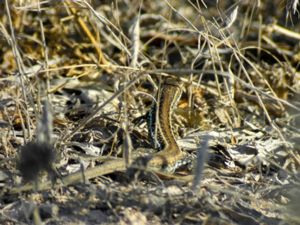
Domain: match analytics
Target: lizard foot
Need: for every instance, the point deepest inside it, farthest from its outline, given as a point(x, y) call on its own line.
point(169, 161)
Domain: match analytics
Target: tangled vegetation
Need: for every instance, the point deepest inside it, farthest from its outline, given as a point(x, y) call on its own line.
point(78, 77)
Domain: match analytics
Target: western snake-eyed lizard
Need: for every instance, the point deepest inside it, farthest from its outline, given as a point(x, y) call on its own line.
point(168, 159)
point(161, 130)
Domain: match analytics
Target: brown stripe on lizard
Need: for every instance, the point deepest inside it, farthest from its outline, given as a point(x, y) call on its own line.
point(160, 119)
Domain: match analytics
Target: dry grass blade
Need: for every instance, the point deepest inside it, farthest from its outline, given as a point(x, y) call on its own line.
point(45, 126)
point(201, 159)
point(135, 33)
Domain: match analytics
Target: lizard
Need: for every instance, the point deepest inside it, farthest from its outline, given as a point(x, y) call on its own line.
point(166, 161)
point(160, 129)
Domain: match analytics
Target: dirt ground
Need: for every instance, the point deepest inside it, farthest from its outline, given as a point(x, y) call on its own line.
point(78, 79)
